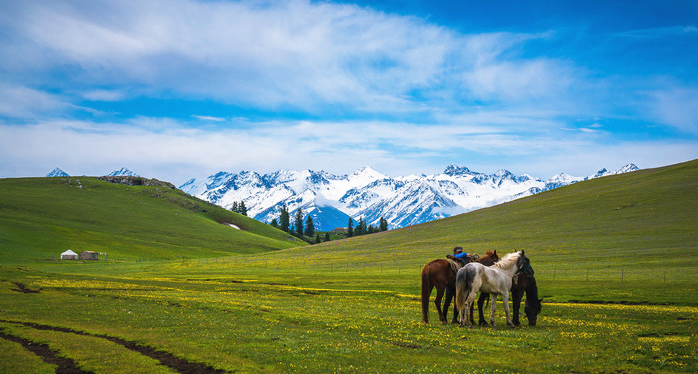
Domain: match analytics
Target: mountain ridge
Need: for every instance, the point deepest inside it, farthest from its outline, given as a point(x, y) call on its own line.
point(123, 172)
point(368, 194)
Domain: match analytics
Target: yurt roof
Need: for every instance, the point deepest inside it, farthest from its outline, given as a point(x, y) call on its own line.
point(69, 252)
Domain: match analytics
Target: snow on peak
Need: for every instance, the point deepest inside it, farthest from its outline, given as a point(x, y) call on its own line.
point(57, 172)
point(605, 172)
point(368, 173)
point(564, 179)
point(123, 172)
point(627, 169)
point(503, 173)
point(454, 170)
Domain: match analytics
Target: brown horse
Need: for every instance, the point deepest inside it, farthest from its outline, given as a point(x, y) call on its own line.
point(438, 273)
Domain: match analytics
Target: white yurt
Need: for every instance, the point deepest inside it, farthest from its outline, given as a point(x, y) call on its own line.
point(69, 255)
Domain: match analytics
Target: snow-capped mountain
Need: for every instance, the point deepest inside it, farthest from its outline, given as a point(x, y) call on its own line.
point(368, 194)
point(123, 172)
point(57, 172)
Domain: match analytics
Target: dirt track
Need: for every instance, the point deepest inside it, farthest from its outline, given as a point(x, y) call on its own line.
point(178, 364)
point(65, 365)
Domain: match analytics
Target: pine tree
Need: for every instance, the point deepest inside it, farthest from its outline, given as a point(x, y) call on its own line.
point(327, 236)
point(317, 239)
point(350, 228)
point(285, 219)
point(360, 227)
point(274, 223)
point(235, 207)
point(299, 222)
point(383, 224)
point(242, 208)
point(309, 226)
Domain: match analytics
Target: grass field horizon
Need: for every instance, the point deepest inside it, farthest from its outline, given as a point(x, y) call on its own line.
point(615, 260)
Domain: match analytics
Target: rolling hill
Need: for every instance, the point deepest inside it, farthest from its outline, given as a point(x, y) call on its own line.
point(42, 217)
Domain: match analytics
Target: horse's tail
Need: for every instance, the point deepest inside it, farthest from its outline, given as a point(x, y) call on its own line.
point(426, 292)
point(464, 284)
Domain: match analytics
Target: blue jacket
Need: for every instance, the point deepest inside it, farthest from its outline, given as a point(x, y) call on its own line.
point(462, 256)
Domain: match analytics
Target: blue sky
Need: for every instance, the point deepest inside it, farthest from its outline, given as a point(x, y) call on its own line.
point(174, 89)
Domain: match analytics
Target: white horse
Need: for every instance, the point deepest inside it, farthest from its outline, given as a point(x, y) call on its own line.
point(494, 280)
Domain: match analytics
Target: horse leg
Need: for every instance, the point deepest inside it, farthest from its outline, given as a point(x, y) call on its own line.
point(472, 307)
point(450, 292)
point(439, 296)
point(516, 296)
point(468, 305)
point(505, 300)
point(480, 305)
point(493, 308)
point(426, 294)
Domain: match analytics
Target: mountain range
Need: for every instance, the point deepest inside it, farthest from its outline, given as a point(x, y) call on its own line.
point(403, 201)
point(123, 172)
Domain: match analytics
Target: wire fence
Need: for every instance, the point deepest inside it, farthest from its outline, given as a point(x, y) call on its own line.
point(385, 265)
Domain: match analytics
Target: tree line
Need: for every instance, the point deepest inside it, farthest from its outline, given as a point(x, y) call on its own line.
point(363, 229)
point(239, 208)
point(305, 229)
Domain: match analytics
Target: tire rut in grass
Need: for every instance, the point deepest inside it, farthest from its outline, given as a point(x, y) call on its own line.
point(65, 365)
point(175, 363)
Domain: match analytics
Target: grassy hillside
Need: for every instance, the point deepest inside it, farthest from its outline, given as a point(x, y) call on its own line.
point(42, 217)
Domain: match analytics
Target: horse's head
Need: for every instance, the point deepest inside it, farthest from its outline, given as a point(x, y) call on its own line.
point(532, 310)
point(533, 305)
point(489, 258)
point(525, 267)
point(523, 263)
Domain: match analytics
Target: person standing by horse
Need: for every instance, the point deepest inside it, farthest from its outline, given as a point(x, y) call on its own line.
point(460, 257)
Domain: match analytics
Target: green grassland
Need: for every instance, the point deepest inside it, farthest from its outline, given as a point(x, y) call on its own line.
point(42, 217)
point(616, 259)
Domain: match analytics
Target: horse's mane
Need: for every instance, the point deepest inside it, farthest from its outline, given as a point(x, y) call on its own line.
point(508, 261)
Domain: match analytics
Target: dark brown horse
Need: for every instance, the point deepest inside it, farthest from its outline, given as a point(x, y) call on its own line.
point(439, 274)
point(523, 282)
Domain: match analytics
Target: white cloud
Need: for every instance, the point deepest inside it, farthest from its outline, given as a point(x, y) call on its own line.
point(209, 118)
point(677, 107)
point(20, 101)
point(273, 55)
point(105, 95)
point(520, 80)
